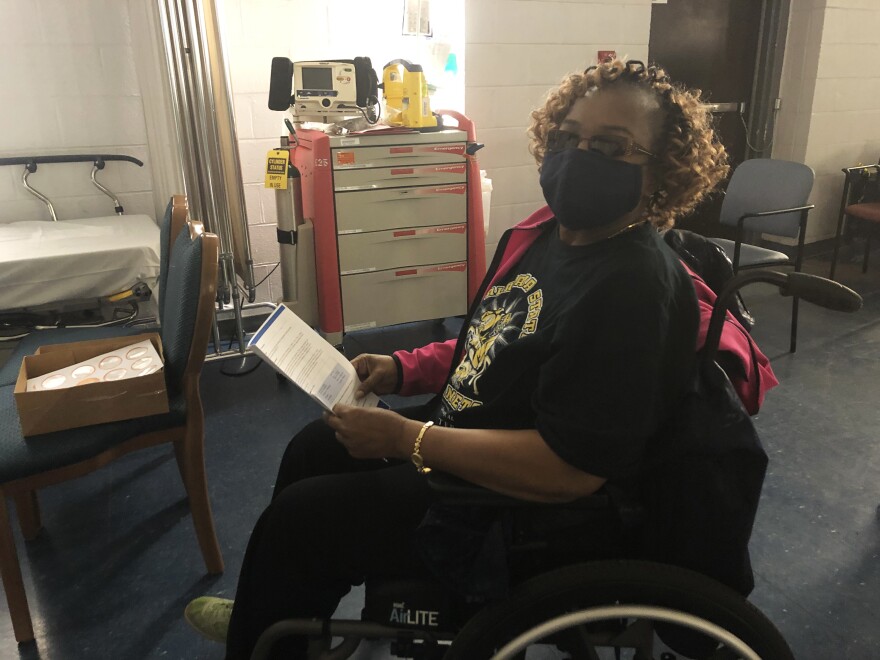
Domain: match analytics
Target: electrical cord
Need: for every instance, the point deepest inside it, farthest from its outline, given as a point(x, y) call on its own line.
point(245, 372)
point(267, 275)
point(373, 118)
point(35, 325)
point(234, 340)
point(742, 118)
point(375, 111)
point(244, 357)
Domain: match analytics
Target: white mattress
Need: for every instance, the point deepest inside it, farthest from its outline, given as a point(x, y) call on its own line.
point(49, 262)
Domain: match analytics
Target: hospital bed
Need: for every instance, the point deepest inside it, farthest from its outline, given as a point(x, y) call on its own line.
point(45, 265)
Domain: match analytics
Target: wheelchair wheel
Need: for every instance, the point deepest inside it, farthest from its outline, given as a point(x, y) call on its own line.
point(622, 608)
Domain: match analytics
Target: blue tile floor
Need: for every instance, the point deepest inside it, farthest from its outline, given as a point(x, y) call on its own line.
point(117, 561)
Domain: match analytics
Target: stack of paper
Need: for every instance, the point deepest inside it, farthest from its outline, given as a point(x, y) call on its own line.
point(287, 343)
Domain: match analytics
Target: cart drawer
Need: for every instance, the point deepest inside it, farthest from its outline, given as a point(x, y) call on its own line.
point(371, 300)
point(395, 177)
point(380, 250)
point(376, 210)
point(387, 156)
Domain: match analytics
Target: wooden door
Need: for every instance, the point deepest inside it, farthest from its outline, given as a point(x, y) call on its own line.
point(711, 45)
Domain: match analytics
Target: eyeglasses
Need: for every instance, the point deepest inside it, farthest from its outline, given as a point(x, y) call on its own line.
point(612, 146)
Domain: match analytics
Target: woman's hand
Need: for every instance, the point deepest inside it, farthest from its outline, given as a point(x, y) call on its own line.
point(370, 432)
point(378, 373)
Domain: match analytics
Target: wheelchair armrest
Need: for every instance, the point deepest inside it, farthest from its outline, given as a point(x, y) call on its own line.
point(764, 214)
point(453, 490)
point(860, 168)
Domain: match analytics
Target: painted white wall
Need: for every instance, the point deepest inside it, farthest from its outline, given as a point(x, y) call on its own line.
point(830, 115)
point(516, 51)
point(68, 84)
point(255, 31)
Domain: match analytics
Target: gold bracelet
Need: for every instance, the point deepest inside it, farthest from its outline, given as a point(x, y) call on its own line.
point(416, 454)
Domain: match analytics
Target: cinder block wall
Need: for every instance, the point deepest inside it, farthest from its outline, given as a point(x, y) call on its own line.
point(830, 115)
point(68, 84)
point(516, 50)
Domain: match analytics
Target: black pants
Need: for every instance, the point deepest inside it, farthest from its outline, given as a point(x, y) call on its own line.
point(333, 520)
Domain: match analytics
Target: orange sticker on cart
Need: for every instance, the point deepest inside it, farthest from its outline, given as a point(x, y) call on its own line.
point(345, 158)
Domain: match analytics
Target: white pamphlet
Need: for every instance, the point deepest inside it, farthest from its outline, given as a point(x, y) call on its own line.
point(308, 360)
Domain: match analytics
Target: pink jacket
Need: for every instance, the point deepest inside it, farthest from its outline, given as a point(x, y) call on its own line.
point(737, 341)
point(426, 369)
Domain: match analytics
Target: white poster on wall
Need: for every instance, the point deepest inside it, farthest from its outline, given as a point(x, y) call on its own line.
point(417, 18)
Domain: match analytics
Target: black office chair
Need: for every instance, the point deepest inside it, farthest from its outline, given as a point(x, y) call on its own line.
point(767, 196)
point(860, 206)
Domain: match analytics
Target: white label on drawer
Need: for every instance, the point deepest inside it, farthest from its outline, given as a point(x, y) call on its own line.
point(461, 267)
point(368, 186)
point(349, 142)
point(355, 271)
point(350, 231)
point(360, 326)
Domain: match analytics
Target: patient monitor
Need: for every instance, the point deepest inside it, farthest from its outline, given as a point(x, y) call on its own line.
point(324, 91)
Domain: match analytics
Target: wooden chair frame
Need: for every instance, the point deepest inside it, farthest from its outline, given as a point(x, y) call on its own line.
point(188, 441)
point(179, 215)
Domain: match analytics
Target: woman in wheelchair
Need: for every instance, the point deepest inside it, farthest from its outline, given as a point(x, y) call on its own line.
point(579, 343)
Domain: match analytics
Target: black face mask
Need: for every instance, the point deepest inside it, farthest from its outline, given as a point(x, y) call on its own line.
point(586, 190)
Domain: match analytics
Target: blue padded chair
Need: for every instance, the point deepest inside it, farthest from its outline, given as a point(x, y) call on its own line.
point(28, 464)
point(767, 196)
point(169, 228)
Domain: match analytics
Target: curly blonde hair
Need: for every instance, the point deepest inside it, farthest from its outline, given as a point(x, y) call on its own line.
point(691, 160)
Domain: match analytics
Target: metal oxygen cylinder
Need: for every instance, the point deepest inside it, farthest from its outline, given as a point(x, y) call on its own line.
point(290, 218)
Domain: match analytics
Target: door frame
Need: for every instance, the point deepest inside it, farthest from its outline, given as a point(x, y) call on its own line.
point(772, 34)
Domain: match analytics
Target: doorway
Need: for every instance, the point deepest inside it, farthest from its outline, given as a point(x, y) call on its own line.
point(732, 51)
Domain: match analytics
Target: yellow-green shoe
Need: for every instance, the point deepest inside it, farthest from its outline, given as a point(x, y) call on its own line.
point(209, 616)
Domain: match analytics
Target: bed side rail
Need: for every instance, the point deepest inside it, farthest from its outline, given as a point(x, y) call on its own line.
point(98, 160)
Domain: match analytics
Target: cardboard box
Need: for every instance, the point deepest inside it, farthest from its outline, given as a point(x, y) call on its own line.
point(94, 403)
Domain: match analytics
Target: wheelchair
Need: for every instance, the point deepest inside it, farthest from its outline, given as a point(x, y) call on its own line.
point(616, 605)
point(627, 607)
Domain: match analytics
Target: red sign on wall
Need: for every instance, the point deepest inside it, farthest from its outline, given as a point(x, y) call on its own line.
point(606, 56)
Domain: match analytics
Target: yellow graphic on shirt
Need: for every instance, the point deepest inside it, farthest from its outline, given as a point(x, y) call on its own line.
point(458, 401)
point(497, 323)
point(525, 282)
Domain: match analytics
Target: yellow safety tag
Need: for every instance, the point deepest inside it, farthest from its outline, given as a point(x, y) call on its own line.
point(276, 169)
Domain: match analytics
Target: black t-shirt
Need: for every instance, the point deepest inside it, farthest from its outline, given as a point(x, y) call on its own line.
point(590, 345)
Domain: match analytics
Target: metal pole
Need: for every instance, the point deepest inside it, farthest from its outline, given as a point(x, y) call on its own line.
point(202, 102)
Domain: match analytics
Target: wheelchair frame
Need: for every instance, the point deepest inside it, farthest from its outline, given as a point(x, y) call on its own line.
point(553, 600)
point(576, 595)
